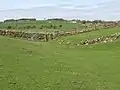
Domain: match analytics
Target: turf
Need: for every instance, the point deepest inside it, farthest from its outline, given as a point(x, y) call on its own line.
point(26, 65)
point(90, 35)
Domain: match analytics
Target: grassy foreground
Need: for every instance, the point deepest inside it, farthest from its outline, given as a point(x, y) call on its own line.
point(48, 66)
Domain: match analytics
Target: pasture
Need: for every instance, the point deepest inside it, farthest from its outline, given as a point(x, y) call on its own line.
point(89, 35)
point(47, 66)
point(39, 26)
point(29, 65)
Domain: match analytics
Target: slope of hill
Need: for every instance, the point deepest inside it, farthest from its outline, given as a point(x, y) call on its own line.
point(40, 66)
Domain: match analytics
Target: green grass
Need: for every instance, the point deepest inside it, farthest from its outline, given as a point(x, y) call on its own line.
point(38, 24)
point(26, 65)
point(90, 35)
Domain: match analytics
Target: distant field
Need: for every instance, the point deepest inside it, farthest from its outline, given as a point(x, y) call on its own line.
point(39, 26)
point(90, 35)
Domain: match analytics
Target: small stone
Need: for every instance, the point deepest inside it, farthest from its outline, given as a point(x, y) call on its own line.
point(105, 41)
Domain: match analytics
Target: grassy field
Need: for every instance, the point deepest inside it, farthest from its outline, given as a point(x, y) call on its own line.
point(26, 65)
point(90, 35)
point(38, 24)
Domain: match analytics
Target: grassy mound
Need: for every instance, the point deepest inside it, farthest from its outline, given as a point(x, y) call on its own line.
point(26, 65)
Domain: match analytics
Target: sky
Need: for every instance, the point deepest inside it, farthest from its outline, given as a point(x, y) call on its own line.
point(81, 9)
point(23, 4)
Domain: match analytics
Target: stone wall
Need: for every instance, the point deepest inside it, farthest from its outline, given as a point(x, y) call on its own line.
point(54, 35)
point(102, 39)
point(88, 29)
point(27, 36)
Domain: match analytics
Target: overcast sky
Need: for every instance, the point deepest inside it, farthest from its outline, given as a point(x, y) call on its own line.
point(17, 4)
point(83, 9)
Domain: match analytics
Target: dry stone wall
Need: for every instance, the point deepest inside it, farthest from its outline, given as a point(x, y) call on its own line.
point(88, 29)
point(102, 39)
point(27, 36)
point(54, 35)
